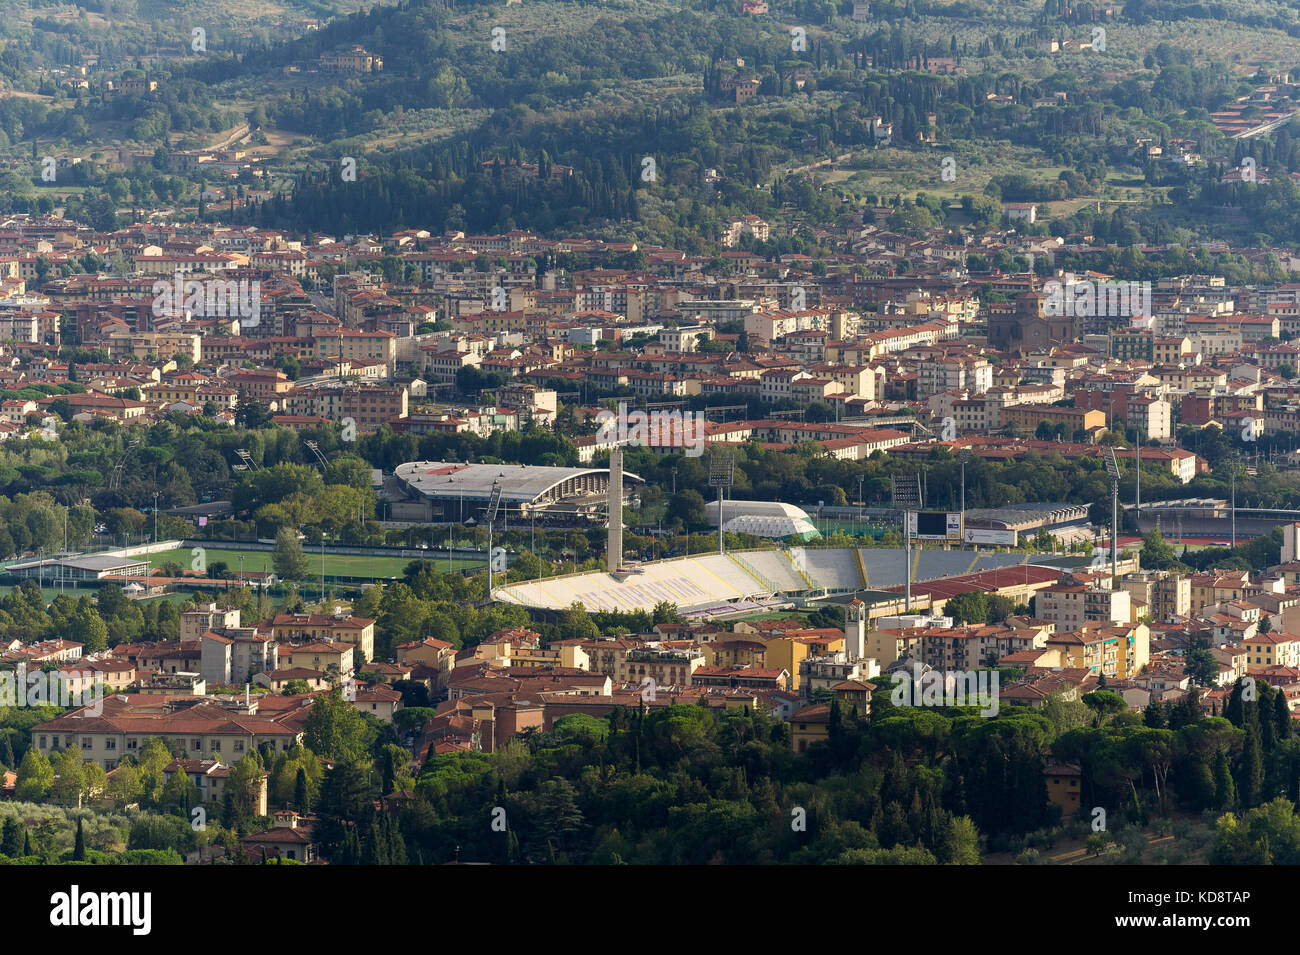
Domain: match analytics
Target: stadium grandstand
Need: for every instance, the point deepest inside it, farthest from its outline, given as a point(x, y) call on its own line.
point(456, 491)
point(705, 583)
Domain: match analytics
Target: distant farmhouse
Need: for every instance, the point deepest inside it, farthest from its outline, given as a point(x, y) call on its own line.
point(356, 60)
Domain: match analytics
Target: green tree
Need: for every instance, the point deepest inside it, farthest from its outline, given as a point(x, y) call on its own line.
point(243, 787)
point(1250, 773)
point(1156, 553)
point(345, 798)
point(970, 607)
point(35, 776)
point(124, 785)
point(179, 792)
point(301, 797)
point(11, 842)
point(151, 763)
point(335, 730)
point(1225, 791)
point(1267, 835)
point(288, 559)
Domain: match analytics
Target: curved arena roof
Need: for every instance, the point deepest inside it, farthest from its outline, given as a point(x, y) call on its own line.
point(760, 525)
point(520, 483)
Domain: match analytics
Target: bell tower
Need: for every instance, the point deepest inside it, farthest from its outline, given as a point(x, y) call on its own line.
point(855, 629)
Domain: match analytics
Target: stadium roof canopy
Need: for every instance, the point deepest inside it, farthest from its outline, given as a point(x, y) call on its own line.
point(775, 527)
point(520, 483)
point(774, 519)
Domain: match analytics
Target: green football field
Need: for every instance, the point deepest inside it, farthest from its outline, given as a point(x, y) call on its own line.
point(336, 565)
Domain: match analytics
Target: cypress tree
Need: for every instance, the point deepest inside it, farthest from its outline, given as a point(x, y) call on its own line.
point(396, 845)
point(1250, 775)
point(300, 799)
point(11, 843)
point(370, 849)
point(374, 850)
point(79, 848)
point(1281, 716)
point(1262, 720)
point(1225, 793)
point(1233, 710)
point(1154, 715)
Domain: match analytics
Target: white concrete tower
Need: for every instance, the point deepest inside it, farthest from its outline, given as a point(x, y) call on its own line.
point(855, 629)
point(614, 547)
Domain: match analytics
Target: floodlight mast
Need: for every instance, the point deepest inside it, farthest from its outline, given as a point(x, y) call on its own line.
point(494, 502)
point(1112, 468)
point(722, 475)
point(115, 480)
point(314, 448)
point(905, 495)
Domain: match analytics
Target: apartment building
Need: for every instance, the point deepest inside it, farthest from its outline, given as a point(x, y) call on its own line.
point(205, 728)
point(340, 627)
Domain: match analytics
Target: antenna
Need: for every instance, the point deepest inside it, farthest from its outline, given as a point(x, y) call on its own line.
point(722, 475)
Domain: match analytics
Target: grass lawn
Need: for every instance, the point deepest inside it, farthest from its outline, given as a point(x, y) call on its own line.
point(336, 565)
point(850, 527)
point(49, 593)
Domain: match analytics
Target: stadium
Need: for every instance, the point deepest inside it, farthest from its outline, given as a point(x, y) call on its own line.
point(711, 584)
point(451, 490)
point(749, 581)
